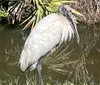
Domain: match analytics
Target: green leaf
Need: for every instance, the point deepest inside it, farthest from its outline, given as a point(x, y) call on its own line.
point(3, 14)
point(43, 8)
point(48, 84)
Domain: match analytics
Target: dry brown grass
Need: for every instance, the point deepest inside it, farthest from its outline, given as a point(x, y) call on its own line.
point(90, 9)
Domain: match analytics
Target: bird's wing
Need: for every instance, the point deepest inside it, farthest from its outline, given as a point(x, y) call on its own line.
point(68, 32)
point(42, 39)
point(49, 34)
point(66, 35)
point(46, 36)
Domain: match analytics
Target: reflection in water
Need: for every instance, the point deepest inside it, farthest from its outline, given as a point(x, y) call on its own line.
point(11, 43)
point(93, 65)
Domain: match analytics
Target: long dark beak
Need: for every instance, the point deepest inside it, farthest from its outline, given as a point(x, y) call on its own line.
point(75, 28)
point(73, 24)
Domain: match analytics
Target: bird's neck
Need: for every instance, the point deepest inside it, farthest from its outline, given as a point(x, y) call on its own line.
point(71, 20)
point(73, 25)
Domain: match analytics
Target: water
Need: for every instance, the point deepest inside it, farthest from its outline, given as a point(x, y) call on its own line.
point(93, 65)
point(11, 43)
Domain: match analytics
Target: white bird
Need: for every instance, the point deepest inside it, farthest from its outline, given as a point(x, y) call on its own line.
point(48, 33)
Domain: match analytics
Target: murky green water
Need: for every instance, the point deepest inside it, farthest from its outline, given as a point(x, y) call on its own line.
point(93, 65)
point(11, 43)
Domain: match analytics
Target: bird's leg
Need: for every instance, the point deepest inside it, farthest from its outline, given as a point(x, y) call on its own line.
point(39, 69)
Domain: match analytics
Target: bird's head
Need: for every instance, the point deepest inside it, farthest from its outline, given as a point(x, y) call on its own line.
point(66, 10)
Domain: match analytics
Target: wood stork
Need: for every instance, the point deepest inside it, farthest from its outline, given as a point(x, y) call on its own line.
point(49, 32)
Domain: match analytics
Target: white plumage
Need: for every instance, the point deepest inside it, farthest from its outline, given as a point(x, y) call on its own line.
point(50, 31)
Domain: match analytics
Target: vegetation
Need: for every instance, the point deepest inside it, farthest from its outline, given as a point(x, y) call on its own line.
point(35, 10)
point(3, 14)
point(41, 8)
point(90, 9)
point(33, 81)
point(31, 11)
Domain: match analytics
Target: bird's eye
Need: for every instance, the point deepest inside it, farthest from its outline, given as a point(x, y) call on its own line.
point(69, 11)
